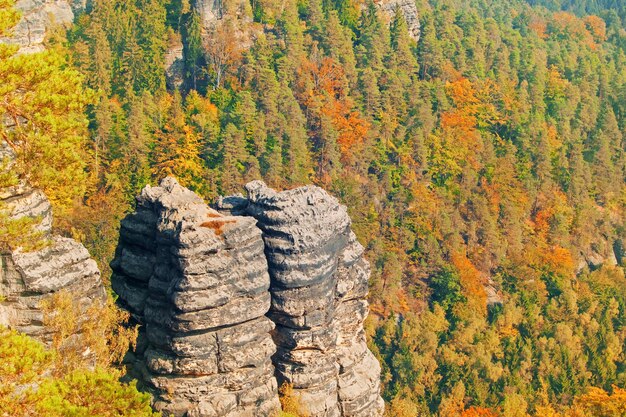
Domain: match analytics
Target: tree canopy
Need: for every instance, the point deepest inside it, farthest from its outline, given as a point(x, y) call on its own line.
point(483, 166)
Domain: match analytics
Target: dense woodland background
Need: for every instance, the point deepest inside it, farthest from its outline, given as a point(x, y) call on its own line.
point(486, 158)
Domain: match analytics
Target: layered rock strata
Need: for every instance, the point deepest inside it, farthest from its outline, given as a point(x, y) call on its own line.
point(197, 282)
point(28, 278)
point(319, 282)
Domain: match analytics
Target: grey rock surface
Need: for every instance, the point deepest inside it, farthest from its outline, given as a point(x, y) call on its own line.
point(271, 289)
point(38, 16)
point(319, 284)
point(174, 66)
point(22, 200)
point(226, 21)
point(197, 282)
point(27, 278)
point(600, 252)
point(409, 10)
point(212, 12)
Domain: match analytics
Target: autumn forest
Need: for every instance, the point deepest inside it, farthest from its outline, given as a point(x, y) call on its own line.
point(482, 160)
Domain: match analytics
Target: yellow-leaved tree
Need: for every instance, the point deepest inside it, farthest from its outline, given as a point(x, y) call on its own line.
point(43, 120)
point(29, 385)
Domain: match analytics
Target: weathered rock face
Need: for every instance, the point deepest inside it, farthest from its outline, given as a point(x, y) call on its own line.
point(598, 253)
point(211, 12)
point(409, 10)
point(197, 281)
point(27, 278)
point(174, 66)
point(319, 281)
point(37, 18)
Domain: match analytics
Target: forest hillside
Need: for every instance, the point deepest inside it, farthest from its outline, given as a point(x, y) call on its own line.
point(479, 146)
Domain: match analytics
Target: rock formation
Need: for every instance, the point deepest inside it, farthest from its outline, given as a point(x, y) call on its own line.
point(319, 284)
point(408, 9)
point(598, 253)
point(197, 281)
point(174, 66)
point(211, 12)
point(37, 18)
point(27, 278)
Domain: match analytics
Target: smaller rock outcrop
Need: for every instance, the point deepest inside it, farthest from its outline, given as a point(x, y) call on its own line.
point(210, 11)
point(197, 282)
point(598, 253)
point(225, 22)
point(80, 6)
point(28, 278)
